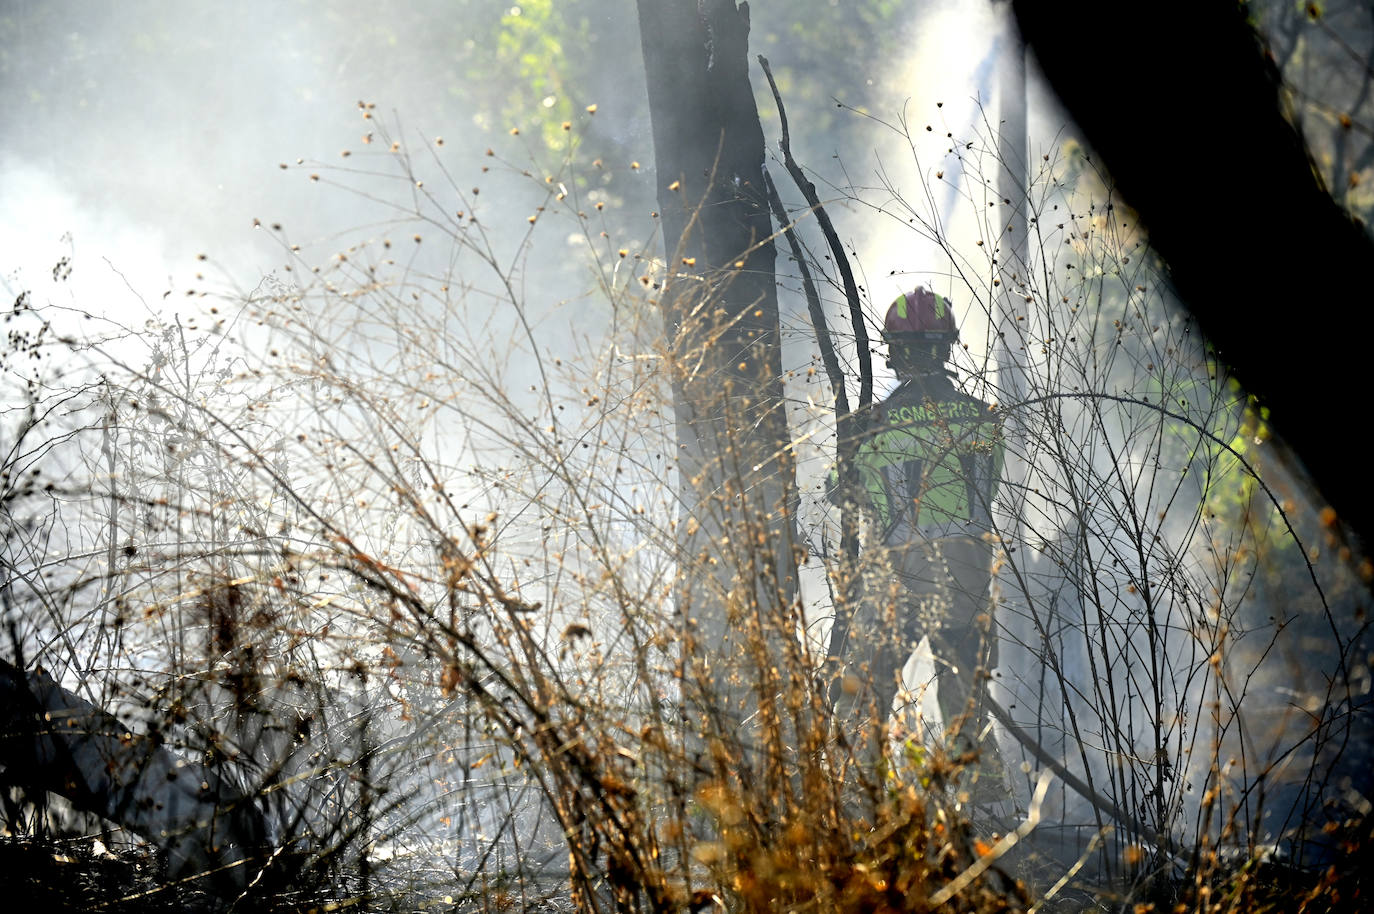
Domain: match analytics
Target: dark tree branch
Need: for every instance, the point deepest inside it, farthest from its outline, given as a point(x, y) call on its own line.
point(851, 289)
point(1079, 786)
point(53, 740)
point(848, 423)
point(813, 300)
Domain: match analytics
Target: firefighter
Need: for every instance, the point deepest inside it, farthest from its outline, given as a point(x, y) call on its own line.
point(927, 469)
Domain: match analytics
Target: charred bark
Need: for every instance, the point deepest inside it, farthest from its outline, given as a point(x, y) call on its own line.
point(720, 311)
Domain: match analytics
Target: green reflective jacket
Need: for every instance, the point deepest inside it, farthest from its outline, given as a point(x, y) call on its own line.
point(931, 460)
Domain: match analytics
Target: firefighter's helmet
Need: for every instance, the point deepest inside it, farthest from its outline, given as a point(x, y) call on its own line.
point(920, 316)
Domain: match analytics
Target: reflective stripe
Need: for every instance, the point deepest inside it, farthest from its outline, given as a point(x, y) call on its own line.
point(936, 463)
point(941, 305)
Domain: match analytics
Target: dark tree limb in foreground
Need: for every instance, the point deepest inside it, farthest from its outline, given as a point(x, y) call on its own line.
point(52, 740)
point(1265, 259)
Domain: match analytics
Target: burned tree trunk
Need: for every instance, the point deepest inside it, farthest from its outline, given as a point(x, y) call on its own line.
point(737, 585)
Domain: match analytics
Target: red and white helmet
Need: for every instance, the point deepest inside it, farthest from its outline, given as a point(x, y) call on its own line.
point(920, 316)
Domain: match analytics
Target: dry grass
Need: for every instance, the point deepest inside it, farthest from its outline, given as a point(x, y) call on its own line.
point(434, 582)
